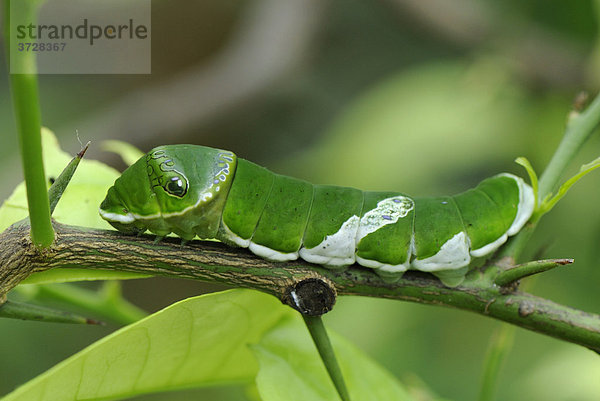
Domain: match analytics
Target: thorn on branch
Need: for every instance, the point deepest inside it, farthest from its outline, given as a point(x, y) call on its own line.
point(518, 272)
point(579, 104)
point(60, 184)
point(83, 150)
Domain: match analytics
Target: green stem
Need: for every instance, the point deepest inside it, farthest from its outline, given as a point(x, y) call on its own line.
point(18, 310)
point(25, 98)
point(501, 342)
point(499, 347)
point(579, 129)
point(106, 303)
point(319, 335)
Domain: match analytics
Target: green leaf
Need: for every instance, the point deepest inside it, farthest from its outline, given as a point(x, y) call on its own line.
point(80, 201)
point(196, 342)
point(533, 178)
point(290, 368)
point(129, 153)
point(78, 206)
point(550, 201)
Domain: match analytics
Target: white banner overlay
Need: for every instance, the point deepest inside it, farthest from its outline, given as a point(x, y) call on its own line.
point(83, 37)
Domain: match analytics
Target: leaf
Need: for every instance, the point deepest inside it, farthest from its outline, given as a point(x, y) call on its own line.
point(196, 342)
point(533, 178)
point(129, 153)
point(548, 204)
point(78, 206)
point(290, 368)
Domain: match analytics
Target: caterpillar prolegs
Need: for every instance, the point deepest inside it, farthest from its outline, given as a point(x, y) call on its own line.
point(210, 193)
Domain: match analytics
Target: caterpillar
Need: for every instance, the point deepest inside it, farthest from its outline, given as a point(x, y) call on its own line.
point(194, 190)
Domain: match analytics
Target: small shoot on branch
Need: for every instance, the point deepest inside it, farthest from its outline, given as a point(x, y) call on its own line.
point(33, 312)
point(23, 311)
point(549, 201)
point(522, 161)
point(543, 206)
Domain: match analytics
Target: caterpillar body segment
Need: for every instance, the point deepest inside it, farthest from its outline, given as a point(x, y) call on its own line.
point(198, 191)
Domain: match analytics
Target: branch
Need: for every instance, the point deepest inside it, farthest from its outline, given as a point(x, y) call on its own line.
point(213, 261)
point(579, 129)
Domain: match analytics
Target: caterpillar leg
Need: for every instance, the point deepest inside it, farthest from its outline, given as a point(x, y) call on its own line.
point(389, 277)
point(452, 278)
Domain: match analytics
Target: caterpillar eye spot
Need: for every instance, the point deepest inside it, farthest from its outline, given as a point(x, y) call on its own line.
point(125, 211)
point(51, 179)
point(176, 186)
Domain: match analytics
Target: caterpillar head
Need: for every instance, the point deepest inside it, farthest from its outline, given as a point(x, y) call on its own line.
point(177, 188)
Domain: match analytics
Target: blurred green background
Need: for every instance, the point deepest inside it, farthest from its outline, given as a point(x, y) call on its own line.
point(426, 97)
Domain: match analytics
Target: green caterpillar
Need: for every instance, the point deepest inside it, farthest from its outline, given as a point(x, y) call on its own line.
point(210, 193)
